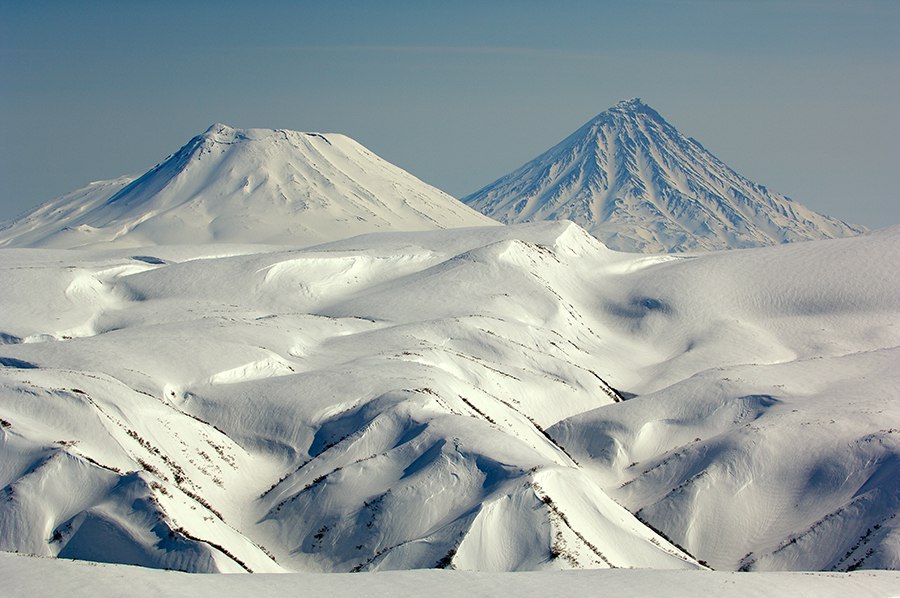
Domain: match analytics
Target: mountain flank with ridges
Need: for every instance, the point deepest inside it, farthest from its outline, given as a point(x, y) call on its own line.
point(637, 184)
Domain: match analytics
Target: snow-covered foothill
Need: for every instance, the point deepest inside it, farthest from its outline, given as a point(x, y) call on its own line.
point(488, 398)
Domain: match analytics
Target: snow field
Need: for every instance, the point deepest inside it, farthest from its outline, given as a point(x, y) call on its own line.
point(496, 398)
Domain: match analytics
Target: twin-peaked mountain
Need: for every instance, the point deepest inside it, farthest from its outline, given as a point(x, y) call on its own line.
point(246, 186)
point(636, 183)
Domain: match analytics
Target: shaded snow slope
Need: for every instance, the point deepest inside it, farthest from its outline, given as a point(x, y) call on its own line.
point(637, 184)
point(447, 399)
point(245, 186)
point(766, 433)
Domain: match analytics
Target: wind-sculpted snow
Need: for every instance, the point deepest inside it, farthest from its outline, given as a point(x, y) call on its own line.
point(245, 186)
point(636, 183)
point(491, 398)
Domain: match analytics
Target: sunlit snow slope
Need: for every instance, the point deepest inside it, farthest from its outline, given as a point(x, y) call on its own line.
point(29, 576)
point(245, 186)
point(445, 399)
point(636, 183)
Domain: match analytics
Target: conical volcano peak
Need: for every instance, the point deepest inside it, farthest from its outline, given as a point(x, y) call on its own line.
point(636, 183)
point(631, 109)
point(630, 113)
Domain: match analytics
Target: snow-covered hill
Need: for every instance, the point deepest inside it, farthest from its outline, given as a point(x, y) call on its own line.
point(633, 181)
point(245, 186)
point(448, 399)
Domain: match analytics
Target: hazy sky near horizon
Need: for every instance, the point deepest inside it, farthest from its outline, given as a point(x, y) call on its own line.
point(800, 96)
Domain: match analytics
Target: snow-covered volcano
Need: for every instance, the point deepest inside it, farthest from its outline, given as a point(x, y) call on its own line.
point(636, 183)
point(246, 186)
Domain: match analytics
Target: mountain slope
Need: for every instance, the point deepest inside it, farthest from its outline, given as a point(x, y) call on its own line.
point(245, 186)
point(446, 398)
point(766, 433)
point(633, 181)
point(370, 404)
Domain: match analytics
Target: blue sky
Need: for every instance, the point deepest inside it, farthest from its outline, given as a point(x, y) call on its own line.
point(800, 96)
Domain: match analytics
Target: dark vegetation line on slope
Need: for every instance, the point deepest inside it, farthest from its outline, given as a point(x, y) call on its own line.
point(177, 470)
point(862, 541)
point(327, 447)
point(608, 390)
point(180, 477)
point(554, 508)
point(638, 515)
point(749, 560)
point(218, 547)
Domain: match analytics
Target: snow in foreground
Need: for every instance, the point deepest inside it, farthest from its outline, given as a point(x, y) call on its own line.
point(28, 576)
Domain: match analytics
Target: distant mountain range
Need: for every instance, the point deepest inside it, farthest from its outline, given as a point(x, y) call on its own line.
point(246, 186)
point(627, 176)
point(637, 184)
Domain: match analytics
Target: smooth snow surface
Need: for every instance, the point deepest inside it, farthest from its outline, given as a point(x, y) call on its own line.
point(25, 576)
point(489, 398)
point(245, 186)
point(633, 181)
